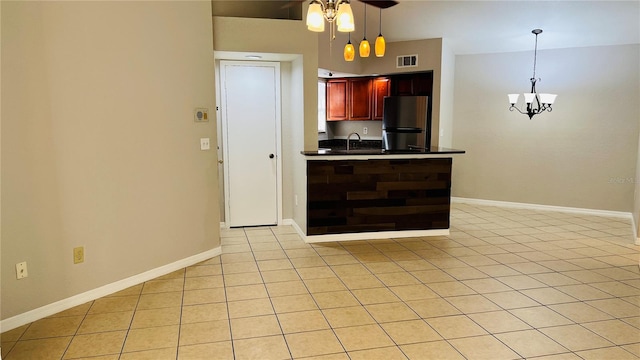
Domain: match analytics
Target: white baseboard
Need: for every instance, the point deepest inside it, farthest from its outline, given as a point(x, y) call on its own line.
point(374, 235)
point(571, 210)
point(515, 205)
point(64, 304)
point(298, 229)
point(361, 236)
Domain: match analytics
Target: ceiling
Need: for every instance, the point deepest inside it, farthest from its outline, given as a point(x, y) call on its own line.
point(473, 27)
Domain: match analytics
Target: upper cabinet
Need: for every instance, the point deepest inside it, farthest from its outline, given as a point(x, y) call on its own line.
point(356, 98)
point(337, 93)
point(362, 98)
point(414, 84)
point(381, 88)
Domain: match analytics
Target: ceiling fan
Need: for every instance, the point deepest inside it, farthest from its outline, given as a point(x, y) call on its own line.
point(382, 4)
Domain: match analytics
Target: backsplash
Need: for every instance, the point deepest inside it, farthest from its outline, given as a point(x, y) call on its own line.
point(341, 144)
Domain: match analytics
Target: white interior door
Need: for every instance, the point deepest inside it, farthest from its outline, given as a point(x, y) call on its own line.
point(251, 126)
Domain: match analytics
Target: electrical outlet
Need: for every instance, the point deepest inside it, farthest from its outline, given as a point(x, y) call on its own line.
point(204, 144)
point(365, 130)
point(78, 255)
point(21, 270)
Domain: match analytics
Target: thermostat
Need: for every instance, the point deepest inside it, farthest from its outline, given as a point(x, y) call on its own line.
point(201, 115)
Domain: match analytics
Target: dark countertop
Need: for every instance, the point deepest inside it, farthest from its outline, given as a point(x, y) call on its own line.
point(382, 152)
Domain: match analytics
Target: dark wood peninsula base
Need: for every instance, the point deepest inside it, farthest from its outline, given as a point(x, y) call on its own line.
point(380, 194)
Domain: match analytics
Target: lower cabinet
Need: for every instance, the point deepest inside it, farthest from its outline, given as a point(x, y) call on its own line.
point(351, 196)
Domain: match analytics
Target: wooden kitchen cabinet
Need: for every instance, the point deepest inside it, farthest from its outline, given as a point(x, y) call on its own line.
point(414, 84)
point(356, 98)
point(381, 89)
point(337, 94)
point(360, 99)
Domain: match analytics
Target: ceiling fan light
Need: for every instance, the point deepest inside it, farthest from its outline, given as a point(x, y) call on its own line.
point(365, 48)
point(315, 17)
point(380, 46)
point(345, 18)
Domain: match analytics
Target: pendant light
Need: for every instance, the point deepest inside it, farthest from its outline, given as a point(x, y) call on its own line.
point(349, 50)
point(365, 48)
point(380, 43)
point(535, 103)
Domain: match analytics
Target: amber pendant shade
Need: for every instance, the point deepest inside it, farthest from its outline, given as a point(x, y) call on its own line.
point(365, 48)
point(380, 46)
point(349, 51)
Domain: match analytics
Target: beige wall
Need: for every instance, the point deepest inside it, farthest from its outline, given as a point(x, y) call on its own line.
point(582, 154)
point(281, 37)
point(636, 201)
point(99, 145)
point(290, 40)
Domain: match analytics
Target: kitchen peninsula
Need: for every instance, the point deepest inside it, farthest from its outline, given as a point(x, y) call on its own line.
point(373, 193)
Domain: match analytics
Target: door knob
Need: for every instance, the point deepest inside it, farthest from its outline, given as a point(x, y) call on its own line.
point(220, 161)
point(271, 156)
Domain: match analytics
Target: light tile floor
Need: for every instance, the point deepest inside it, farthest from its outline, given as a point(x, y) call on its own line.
point(506, 284)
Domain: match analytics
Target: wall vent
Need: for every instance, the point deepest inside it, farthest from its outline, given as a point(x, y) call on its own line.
point(404, 61)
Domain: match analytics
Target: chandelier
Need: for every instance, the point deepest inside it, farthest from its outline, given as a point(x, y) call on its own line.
point(536, 103)
point(335, 10)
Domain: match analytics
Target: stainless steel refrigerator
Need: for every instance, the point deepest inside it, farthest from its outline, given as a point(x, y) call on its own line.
point(406, 124)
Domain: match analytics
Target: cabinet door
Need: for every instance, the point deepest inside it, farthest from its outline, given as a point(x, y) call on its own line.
point(360, 99)
point(337, 100)
point(423, 84)
point(402, 85)
point(381, 89)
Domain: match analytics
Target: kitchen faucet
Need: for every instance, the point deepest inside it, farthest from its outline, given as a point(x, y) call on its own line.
point(349, 138)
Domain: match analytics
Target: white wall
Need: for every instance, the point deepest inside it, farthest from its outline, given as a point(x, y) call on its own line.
point(99, 145)
point(579, 155)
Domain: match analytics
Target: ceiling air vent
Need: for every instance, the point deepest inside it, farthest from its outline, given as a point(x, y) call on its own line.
point(404, 61)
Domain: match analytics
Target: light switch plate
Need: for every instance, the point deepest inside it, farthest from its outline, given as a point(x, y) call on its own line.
point(21, 270)
point(205, 144)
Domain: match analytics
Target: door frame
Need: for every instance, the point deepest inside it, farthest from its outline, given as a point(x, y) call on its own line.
point(223, 135)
